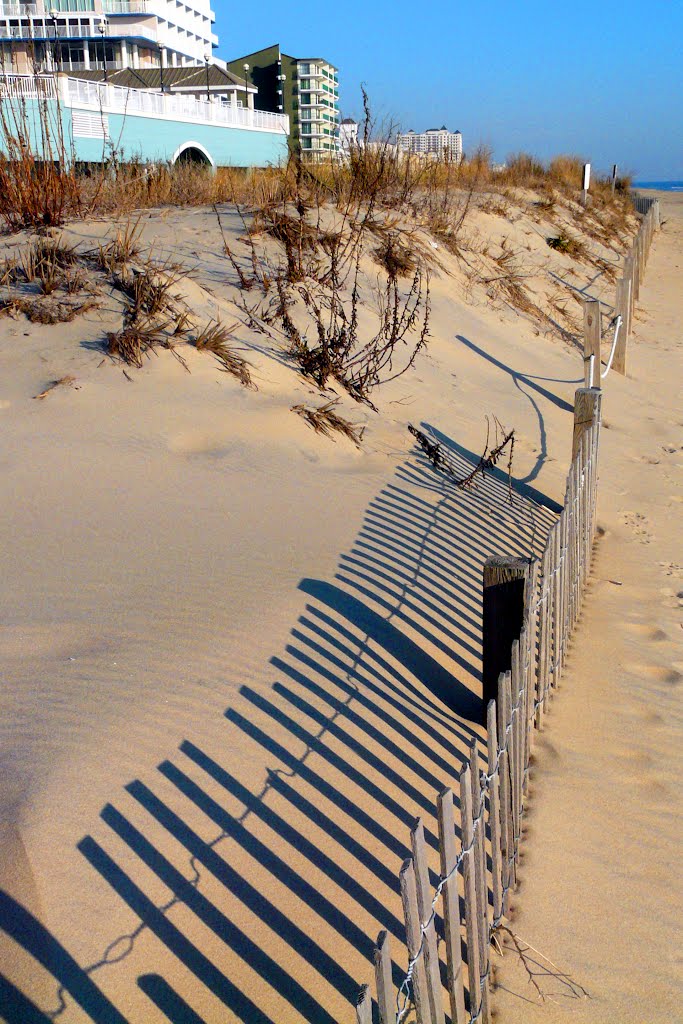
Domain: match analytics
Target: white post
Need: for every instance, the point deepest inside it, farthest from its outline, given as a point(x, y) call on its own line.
point(586, 182)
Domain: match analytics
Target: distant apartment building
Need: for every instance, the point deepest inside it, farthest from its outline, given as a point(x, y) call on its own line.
point(84, 35)
point(435, 143)
point(305, 88)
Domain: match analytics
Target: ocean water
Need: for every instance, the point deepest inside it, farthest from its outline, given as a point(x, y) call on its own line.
point(663, 186)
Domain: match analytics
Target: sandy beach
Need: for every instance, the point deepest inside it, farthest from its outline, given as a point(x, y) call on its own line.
point(239, 658)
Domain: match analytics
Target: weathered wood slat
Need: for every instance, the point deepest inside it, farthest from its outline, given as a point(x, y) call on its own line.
point(413, 941)
point(494, 813)
point(364, 1006)
point(470, 877)
point(451, 908)
point(503, 768)
point(544, 623)
point(478, 829)
point(386, 1000)
point(424, 906)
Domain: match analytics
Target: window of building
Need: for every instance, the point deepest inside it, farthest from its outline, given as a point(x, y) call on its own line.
point(71, 55)
point(72, 5)
point(305, 97)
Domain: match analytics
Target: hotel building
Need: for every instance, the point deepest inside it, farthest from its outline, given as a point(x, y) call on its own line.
point(84, 35)
point(305, 88)
point(435, 143)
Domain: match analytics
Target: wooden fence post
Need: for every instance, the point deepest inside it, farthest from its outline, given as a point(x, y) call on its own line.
point(504, 580)
point(623, 304)
point(586, 410)
point(591, 340)
point(451, 908)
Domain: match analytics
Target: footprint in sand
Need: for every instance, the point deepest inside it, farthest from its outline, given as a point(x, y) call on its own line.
point(658, 673)
point(638, 524)
point(646, 630)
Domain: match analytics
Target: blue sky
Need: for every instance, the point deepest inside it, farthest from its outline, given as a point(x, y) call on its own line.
point(602, 79)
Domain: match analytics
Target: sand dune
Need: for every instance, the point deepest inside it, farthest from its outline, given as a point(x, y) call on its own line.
point(239, 659)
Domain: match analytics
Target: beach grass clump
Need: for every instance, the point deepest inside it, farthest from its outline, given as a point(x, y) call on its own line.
point(122, 249)
point(137, 339)
point(568, 245)
point(215, 338)
point(149, 290)
point(325, 420)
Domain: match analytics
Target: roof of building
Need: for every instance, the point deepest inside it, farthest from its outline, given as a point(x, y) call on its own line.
point(321, 60)
point(190, 77)
point(349, 120)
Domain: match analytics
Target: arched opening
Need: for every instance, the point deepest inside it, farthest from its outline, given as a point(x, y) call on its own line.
point(193, 154)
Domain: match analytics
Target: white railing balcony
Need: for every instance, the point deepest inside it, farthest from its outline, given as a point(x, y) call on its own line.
point(118, 100)
point(27, 87)
point(18, 10)
point(113, 7)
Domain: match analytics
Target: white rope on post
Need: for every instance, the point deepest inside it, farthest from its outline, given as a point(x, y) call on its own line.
point(617, 326)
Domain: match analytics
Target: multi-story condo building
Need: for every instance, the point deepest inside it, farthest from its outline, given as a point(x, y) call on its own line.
point(437, 143)
point(305, 88)
point(82, 35)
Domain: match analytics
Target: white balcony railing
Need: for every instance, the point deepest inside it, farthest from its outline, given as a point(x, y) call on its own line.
point(27, 87)
point(118, 100)
point(125, 7)
point(18, 10)
point(113, 99)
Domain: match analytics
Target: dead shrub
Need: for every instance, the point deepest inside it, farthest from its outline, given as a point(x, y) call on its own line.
point(397, 260)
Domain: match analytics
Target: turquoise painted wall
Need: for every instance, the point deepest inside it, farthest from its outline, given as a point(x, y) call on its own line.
point(151, 138)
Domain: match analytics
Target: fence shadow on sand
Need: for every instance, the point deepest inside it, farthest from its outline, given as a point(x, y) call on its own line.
point(279, 848)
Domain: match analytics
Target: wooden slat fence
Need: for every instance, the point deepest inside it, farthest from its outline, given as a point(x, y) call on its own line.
point(491, 802)
point(627, 292)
